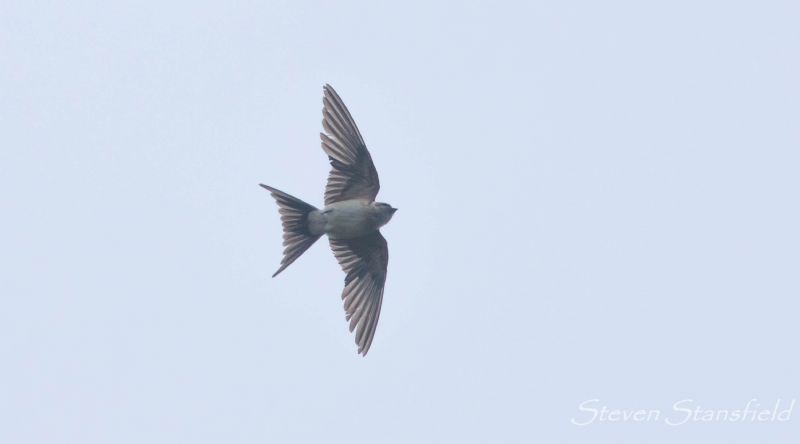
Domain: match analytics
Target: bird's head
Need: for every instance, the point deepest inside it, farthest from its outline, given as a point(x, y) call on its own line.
point(385, 212)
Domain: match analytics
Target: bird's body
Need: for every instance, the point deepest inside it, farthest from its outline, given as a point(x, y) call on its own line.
point(351, 219)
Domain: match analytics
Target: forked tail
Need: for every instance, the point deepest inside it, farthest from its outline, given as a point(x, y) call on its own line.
point(297, 236)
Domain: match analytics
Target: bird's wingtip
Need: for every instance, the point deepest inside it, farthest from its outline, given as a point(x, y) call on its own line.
point(282, 267)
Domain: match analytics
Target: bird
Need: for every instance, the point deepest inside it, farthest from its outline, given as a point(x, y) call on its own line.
point(351, 218)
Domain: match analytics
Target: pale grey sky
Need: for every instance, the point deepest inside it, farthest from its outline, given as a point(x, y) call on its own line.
point(598, 200)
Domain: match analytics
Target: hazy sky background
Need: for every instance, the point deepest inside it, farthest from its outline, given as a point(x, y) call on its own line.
point(597, 200)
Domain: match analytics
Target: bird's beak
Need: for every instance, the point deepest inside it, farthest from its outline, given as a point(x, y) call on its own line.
point(393, 210)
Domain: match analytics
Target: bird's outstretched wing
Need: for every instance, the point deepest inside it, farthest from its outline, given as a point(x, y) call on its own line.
point(353, 175)
point(365, 260)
